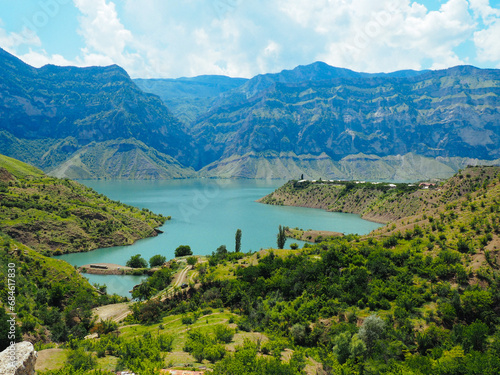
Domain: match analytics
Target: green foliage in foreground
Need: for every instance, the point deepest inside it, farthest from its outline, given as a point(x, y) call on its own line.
point(52, 301)
point(143, 355)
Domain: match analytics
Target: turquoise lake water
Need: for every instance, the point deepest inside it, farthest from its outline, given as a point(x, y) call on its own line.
point(206, 214)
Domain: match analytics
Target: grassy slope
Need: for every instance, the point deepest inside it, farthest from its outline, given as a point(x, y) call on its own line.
point(36, 278)
point(19, 169)
point(57, 216)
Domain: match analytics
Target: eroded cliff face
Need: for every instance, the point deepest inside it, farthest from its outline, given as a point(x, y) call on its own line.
point(18, 359)
point(316, 120)
point(447, 113)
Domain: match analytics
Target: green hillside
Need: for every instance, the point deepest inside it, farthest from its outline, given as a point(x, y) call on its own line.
point(18, 169)
point(419, 296)
point(52, 300)
point(55, 216)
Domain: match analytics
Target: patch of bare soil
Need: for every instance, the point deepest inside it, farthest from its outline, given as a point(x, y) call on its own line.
point(311, 235)
point(104, 269)
point(115, 312)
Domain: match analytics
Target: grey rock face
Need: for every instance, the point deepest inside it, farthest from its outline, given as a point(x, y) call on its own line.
point(19, 359)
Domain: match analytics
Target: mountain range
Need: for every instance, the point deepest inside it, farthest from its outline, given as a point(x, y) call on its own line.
point(315, 120)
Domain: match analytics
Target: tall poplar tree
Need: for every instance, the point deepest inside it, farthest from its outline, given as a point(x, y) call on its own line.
point(281, 237)
point(237, 246)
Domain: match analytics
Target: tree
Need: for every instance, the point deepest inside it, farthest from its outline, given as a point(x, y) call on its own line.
point(183, 250)
point(221, 252)
point(281, 237)
point(143, 291)
point(192, 261)
point(157, 260)
point(372, 329)
point(136, 261)
point(237, 246)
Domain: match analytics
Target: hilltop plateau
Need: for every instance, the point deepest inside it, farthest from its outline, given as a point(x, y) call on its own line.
point(381, 202)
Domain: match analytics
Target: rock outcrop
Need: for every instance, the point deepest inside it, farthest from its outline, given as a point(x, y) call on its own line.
point(19, 359)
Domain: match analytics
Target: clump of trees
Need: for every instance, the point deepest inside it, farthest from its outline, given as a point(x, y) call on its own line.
point(209, 345)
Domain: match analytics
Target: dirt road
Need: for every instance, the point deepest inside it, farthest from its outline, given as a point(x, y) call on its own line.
point(115, 312)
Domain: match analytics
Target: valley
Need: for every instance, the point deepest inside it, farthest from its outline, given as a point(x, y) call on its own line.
point(431, 269)
point(370, 271)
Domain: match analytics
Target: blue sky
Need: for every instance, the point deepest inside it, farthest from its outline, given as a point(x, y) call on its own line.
point(171, 38)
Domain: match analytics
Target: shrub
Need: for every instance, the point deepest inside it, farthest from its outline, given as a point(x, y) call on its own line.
point(136, 261)
point(192, 261)
point(157, 260)
point(183, 250)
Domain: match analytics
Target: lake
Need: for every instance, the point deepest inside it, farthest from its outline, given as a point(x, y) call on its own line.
point(206, 214)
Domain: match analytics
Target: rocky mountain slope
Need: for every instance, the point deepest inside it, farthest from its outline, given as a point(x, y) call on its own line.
point(315, 120)
point(55, 115)
point(323, 120)
point(189, 97)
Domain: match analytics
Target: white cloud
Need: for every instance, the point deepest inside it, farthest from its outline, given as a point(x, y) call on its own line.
point(388, 35)
point(41, 58)
point(486, 39)
point(167, 38)
point(487, 45)
point(107, 41)
point(10, 41)
point(483, 10)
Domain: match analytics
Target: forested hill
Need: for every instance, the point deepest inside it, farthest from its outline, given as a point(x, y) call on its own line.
point(381, 202)
point(418, 297)
point(55, 216)
point(51, 299)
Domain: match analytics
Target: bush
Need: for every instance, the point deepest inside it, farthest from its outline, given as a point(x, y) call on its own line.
point(157, 260)
point(81, 360)
point(183, 250)
point(223, 334)
point(192, 261)
point(136, 261)
point(294, 246)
